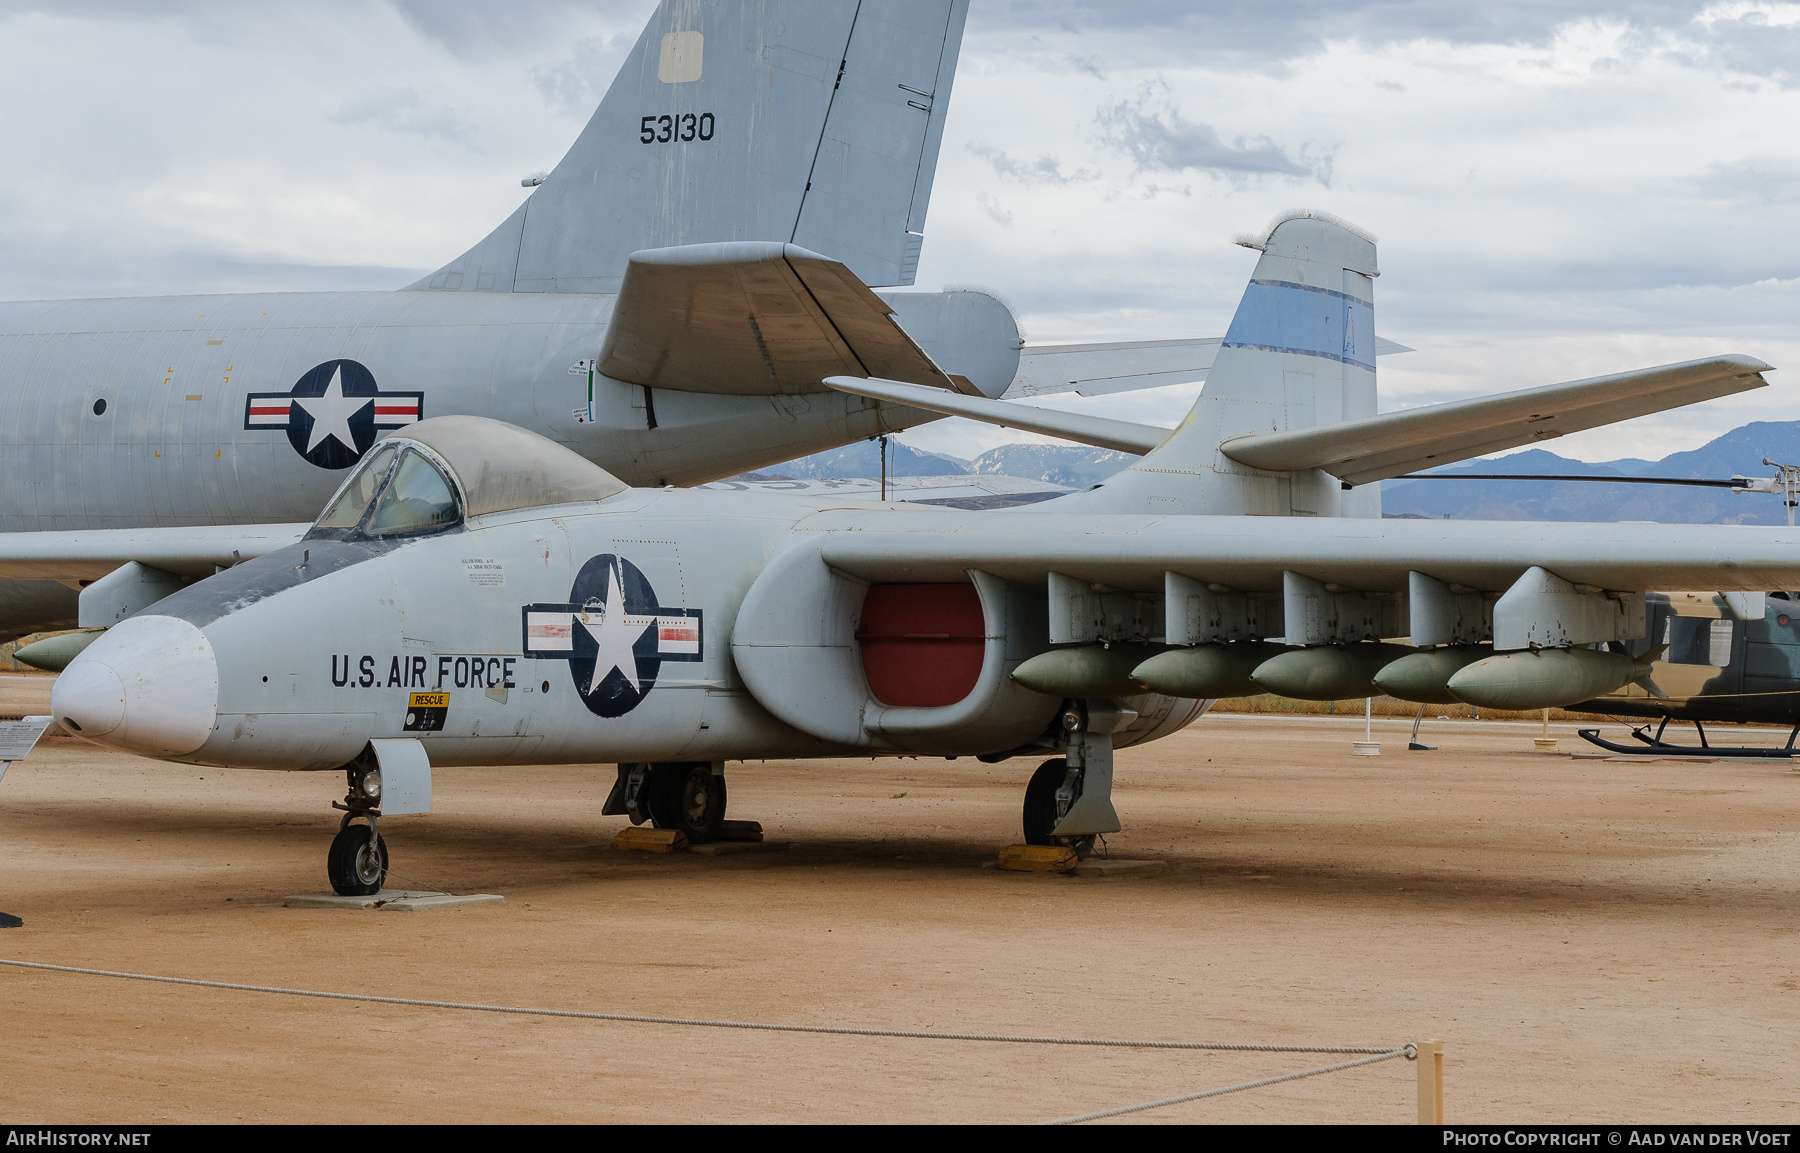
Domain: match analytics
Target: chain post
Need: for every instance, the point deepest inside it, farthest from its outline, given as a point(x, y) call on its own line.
point(1431, 1082)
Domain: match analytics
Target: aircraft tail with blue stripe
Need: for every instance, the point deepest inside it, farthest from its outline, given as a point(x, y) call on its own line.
point(1300, 353)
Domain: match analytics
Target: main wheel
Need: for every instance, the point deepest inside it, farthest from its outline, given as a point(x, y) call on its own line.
point(358, 861)
point(1040, 809)
point(689, 798)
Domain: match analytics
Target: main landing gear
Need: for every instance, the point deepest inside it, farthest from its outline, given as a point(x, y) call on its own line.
point(358, 860)
point(1052, 791)
point(685, 795)
point(1069, 799)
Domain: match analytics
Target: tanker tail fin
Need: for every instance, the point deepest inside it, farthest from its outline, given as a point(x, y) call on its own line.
point(817, 125)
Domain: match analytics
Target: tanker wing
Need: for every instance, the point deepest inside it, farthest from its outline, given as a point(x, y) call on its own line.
point(754, 318)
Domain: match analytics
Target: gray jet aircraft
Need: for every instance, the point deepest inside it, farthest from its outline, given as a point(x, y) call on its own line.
point(477, 594)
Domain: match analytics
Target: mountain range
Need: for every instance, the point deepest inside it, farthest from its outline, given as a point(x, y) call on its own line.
point(1739, 452)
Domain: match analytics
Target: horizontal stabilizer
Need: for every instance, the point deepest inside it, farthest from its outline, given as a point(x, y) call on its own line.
point(71, 555)
point(1099, 431)
point(1125, 366)
point(1374, 448)
point(1099, 369)
point(753, 318)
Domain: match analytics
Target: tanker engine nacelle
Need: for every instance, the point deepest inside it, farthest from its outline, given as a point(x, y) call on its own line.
point(910, 668)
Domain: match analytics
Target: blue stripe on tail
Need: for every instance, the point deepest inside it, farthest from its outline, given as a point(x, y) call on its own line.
point(1281, 316)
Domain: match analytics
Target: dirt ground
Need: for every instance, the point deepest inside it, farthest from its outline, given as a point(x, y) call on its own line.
point(1593, 940)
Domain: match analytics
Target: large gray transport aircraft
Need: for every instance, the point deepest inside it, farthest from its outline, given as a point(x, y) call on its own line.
point(478, 594)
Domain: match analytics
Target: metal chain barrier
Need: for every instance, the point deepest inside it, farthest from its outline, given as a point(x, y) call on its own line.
point(1409, 1051)
point(1375, 1053)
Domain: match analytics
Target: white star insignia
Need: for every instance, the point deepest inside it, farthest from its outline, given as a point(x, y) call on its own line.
point(616, 632)
point(331, 412)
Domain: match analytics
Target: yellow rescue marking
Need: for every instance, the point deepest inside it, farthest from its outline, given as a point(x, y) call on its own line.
point(429, 701)
point(193, 396)
point(215, 342)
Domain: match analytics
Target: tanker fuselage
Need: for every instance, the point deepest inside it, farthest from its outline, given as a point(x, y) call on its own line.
point(187, 410)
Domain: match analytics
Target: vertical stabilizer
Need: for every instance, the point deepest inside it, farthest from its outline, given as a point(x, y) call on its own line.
point(815, 122)
point(1300, 352)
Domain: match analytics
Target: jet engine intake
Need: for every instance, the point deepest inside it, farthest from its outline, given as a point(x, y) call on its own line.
point(892, 666)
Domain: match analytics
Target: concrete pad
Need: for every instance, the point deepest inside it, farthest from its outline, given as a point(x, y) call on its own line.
point(727, 848)
point(1117, 868)
point(400, 900)
point(424, 901)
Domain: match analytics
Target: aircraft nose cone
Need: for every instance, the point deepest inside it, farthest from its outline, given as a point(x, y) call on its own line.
point(149, 685)
point(89, 698)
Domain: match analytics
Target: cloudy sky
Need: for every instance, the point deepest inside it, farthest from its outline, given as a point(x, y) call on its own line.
point(1560, 189)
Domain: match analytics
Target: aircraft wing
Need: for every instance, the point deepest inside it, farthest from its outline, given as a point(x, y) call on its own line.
point(1100, 431)
point(1125, 366)
point(954, 490)
point(79, 555)
point(1377, 447)
point(1250, 553)
point(754, 318)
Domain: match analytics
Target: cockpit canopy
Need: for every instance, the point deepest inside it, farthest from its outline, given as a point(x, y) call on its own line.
point(428, 477)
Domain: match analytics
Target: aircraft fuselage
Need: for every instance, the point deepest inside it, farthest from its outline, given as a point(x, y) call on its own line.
point(194, 410)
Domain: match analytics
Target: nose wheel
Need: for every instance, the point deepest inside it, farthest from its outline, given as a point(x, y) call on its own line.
point(358, 861)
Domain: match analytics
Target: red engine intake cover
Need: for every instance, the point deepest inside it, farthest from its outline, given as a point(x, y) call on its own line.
point(922, 644)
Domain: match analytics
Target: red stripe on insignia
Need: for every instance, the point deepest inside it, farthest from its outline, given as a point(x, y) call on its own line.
point(270, 410)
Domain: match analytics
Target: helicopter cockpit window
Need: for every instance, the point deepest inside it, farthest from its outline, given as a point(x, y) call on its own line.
point(346, 512)
point(418, 499)
point(1698, 641)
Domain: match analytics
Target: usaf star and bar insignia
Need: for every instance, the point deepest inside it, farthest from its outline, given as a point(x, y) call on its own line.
point(614, 635)
point(333, 413)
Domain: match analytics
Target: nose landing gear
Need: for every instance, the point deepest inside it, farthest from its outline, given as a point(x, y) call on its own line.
point(358, 861)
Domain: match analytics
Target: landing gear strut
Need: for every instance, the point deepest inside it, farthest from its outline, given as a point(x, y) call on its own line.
point(358, 860)
point(1053, 788)
point(685, 795)
point(1069, 799)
